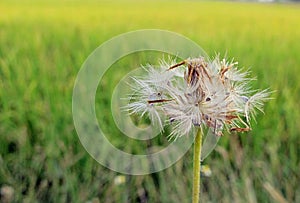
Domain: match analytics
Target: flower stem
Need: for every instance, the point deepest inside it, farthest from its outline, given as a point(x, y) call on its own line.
point(196, 169)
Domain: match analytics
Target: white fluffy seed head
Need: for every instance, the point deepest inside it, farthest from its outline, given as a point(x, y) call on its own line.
point(197, 93)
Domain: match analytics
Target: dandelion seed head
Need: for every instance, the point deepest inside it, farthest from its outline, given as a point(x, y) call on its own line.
point(197, 93)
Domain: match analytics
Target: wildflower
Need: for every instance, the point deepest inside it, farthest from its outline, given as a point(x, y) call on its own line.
point(119, 179)
point(210, 94)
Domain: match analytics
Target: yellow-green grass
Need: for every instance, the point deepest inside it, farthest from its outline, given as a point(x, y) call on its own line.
point(42, 46)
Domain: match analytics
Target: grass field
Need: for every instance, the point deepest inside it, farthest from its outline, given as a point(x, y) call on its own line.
point(42, 47)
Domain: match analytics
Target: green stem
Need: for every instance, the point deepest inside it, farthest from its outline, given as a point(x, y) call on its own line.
point(197, 163)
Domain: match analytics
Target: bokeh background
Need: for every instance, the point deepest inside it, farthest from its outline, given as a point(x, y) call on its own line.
point(42, 47)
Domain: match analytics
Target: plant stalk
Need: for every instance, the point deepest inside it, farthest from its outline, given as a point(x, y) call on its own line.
point(197, 165)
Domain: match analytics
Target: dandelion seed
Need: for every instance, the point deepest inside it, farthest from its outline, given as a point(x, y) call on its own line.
point(196, 93)
point(256, 102)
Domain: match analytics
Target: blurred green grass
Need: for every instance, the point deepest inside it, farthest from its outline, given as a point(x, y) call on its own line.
point(43, 45)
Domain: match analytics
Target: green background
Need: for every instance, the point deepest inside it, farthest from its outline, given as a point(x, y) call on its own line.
point(42, 47)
